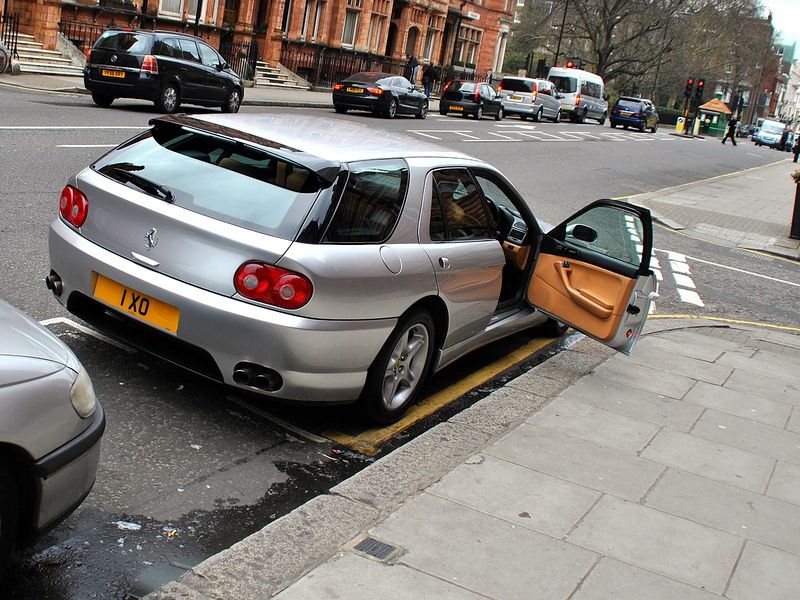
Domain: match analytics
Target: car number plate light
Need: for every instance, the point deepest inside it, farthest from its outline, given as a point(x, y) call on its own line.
point(133, 302)
point(115, 74)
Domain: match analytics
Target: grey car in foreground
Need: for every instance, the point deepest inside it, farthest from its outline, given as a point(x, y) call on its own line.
point(328, 261)
point(50, 430)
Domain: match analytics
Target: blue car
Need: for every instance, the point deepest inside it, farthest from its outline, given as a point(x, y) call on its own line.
point(634, 112)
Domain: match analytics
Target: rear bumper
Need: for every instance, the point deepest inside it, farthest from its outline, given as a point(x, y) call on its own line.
point(354, 102)
point(66, 475)
point(318, 360)
point(145, 88)
point(519, 108)
point(460, 107)
point(623, 120)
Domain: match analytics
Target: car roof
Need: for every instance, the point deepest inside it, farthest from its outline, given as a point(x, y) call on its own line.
point(632, 99)
point(366, 76)
point(325, 141)
point(160, 32)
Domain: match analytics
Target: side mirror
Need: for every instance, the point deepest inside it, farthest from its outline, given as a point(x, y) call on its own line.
point(559, 96)
point(222, 66)
point(606, 97)
point(583, 233)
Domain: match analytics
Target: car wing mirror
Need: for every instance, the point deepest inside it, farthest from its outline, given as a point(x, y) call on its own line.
point(222, 66)
point(606, 97)
point(583, 233)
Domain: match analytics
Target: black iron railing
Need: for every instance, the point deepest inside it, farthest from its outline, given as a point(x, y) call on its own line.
point(9, 35)
point(82, 35)
point(241, 56)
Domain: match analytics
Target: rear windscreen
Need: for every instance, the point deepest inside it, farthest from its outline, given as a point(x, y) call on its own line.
point(220, 178)
point(772, 127)
point(124, 41)
point(467, 87)
point(517, 85)
point(629, 105)
point(565, 85)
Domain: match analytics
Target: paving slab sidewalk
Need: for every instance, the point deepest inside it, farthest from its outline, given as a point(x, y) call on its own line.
point(691, 492)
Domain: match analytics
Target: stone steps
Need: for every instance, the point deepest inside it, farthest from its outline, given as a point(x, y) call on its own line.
point(33, 58)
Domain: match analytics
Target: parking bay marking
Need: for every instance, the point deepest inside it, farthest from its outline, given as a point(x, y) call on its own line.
point(370, 441)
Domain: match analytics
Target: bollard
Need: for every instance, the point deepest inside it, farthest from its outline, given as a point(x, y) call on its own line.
point(794, 230)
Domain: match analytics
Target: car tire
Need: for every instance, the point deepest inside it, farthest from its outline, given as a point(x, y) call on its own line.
point(642, 127)
point(101, 99)
point(479, 113)
point(613, 125)
point(624, 126)
point(582, 117)
point(9, 514)
point(423, 111)
point(654, 128)
point(602, 120)
point(500, 114)
point(538, 117)
point(395, 377)
point(169, 99)
point(557, 118)
point(391, 112)
point(233, 102)
point(553, 328)
point(524, 117)
point(339, 109)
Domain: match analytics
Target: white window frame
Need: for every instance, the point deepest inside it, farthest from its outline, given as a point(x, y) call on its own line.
point(306, 16)
point(350, 15)
point(317, 18)
point(427, 48)
point(170, 13)
point(191, 13)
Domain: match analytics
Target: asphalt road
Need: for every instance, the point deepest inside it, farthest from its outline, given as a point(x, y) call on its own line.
point(189, 468)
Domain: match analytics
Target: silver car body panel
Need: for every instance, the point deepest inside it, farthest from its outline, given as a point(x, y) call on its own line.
point(527, 103)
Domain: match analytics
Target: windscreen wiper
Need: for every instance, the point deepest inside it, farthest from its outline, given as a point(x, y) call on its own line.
point(124, 172)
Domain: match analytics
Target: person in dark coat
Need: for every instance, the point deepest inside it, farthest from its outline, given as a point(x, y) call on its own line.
point(411, 68)
point(730, 132)
point(796, 145)
point(427, 79)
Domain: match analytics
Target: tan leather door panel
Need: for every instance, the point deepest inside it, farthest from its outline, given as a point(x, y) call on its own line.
point(585, 296)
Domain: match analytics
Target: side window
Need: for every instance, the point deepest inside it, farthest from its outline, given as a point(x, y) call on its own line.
point(370, 203)
point(609, 231)
point(167, 47)
point(189, 50)
point(208, 57)
point(496, 191)
point(462, 207)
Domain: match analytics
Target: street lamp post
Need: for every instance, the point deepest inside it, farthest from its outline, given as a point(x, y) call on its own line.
point(561, 33)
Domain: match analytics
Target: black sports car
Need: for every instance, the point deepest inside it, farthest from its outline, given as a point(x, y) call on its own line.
point(381, 93)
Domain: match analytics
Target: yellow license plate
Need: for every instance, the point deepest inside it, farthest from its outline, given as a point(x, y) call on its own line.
point(456, 108)
point(625, 113)
point(355, 91)
point(117, 74)
point(135, 303)
point(517, 98)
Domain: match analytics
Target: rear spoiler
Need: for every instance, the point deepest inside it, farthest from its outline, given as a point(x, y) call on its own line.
point(326, 170)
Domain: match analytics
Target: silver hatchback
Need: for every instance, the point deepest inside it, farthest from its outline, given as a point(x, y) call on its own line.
point(50, 430)
point(530, 98)
point(329, 261)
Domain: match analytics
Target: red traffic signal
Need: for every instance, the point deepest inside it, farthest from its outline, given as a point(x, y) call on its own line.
point(698, 92)
point(689, 86)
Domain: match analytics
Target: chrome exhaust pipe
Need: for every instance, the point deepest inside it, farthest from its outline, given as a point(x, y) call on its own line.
point(54, 283)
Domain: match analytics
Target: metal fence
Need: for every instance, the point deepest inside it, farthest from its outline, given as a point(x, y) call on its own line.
point(241, 56)
point(82, 35)
point(9, 34)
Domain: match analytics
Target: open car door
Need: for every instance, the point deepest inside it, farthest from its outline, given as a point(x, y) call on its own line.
point(593, 272)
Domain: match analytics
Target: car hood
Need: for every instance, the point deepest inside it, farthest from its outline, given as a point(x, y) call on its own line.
point(22, 336)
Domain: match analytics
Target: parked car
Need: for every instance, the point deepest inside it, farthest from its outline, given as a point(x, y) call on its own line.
point(769, 133)
point(534, 98)
point(471, 98)
point(165, 67)
point(380, 93)
point(50, 429)
point(327, 261)
point(634, 112)
point(583, 94)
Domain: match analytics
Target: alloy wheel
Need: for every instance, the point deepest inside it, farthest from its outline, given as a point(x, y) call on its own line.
point(406, 366)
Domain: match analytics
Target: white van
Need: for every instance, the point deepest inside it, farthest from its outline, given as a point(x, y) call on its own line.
point(583, 94)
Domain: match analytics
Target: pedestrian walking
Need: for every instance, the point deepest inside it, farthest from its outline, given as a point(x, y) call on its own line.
point(730, 132)
point(411, 67)
point(427, 80)
point(796, 145)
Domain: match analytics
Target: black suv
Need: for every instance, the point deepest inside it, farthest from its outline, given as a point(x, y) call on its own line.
point(165, 67)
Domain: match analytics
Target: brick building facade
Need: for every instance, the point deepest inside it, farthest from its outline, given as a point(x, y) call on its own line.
point(467, 34)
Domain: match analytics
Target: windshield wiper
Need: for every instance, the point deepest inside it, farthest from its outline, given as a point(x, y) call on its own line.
point(124, 172)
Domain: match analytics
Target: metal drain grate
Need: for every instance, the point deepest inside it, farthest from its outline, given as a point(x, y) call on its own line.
point(375, 548)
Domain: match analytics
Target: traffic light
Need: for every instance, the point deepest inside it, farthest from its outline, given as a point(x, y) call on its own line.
point(689, 86)
point(698, 92)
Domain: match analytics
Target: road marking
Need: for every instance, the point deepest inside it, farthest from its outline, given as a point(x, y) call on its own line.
point(370, 441)
point(68, 127)
point(684, 281)
point(725, 320)
point(714, 264)
point(87, 331)
point(690, 297)
point(87, 145)
point(505, 137)
point(427, 135)
point(280, 422)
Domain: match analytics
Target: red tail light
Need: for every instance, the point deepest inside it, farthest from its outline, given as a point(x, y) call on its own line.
point(446, 85)
point(477, 94)
point(337, 87)
point(577, 99)
point(150, 65)
point(499, 88)
point(272, 285)
point(375, 91)
point(73, 206)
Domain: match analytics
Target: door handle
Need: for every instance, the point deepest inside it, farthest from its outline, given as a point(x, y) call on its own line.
point(444, 262)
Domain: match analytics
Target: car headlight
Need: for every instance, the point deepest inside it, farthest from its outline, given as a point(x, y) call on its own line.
point(82, 395)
